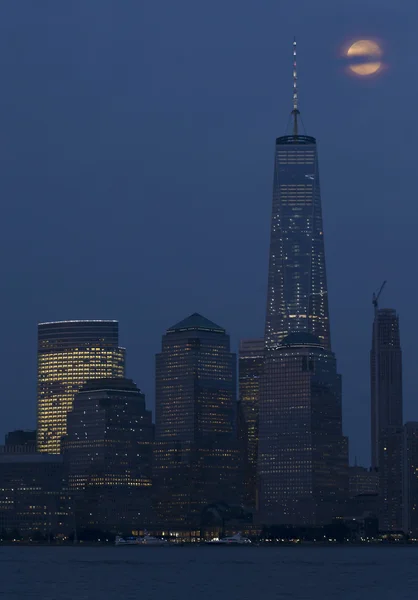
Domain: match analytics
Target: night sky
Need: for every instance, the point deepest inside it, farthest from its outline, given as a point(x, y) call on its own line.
point(136, 149)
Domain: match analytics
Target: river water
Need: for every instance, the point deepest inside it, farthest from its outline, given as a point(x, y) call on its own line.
point(203, 573)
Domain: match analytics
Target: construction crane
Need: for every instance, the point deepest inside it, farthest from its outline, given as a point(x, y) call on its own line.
point(375, 297)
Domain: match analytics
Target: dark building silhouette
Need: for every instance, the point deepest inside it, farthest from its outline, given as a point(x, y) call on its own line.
point(411, 479)
point(69, 354)
point(302, 454)
point(108, 453)
point(197, 455)
point(362, 481)
point(251, 360)
point(33, 495)
point(391, 478)
point(386, 378)
point(20, 441)
point(303, 458)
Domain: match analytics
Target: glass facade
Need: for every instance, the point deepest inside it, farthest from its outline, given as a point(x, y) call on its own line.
point(69, 354)
point(195, 382)
point(386, 370)
point(297, 297)
point(251, 360)
point(302, 451)
point(197, 456)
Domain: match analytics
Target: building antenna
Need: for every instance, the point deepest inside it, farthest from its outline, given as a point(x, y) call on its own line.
point(295, 111)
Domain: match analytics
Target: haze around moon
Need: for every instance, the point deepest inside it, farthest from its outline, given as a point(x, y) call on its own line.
point(365, 56)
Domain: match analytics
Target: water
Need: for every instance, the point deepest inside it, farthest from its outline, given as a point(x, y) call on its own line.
point(202, 573)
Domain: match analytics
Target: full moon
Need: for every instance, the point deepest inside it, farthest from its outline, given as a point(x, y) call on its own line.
point(365, 56)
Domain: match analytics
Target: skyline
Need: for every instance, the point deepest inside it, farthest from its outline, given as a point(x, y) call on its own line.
point(125, 163)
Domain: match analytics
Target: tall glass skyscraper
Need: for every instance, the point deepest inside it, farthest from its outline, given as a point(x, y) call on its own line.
point(197, 456)
point(302, 461)
point(297, 297)
point(69, 354)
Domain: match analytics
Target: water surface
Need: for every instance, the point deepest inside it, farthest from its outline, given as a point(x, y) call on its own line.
point(202, 573)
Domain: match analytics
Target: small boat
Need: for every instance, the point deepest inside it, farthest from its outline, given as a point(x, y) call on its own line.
point(236, 539)
point(145, 540)
point(150, 540)
point(128, 541)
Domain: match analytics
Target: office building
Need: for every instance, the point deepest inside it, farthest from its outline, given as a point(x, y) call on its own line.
point(34, 499)
point(391, 479)
point(303, 455)
point(251, 360)
point(69, 354)
point(362, 481)
point(197, 454)
point(410, 518)
point(297, 293)
point(386, 378)
point(108, 453)
point(20, 441)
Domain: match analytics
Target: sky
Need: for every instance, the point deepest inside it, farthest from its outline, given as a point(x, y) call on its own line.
point(136, 166)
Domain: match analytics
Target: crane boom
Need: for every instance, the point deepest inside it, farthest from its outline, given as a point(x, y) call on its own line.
point(375, 297)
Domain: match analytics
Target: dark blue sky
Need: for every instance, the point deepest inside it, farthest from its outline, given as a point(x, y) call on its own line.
point(136, 164)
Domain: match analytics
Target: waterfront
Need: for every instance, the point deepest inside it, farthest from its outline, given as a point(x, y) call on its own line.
point(303, 573)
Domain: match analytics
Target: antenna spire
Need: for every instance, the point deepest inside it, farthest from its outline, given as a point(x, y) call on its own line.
point(295, 111)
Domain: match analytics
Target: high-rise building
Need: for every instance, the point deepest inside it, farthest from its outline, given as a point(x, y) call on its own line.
point(302, 452)
point(69, 354)
point(391, 479)
point(108, 453)
point(197, 454)
point(411, 479)
point(251, 360)
point(386, 378)
point(297, 296)
point(303, 455)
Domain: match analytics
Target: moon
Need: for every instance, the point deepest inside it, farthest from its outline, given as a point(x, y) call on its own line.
point(365, 57)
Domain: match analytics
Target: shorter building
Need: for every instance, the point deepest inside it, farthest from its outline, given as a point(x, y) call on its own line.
point(251, 361)
point(108, 453)
point(33, 495)
point(391, 479)
point(411, 479)
point(20, 440)
point(362, 481)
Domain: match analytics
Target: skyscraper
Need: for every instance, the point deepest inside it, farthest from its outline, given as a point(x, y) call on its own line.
point(302, 456)
point(197, 455)
point(251, 360)
point(391, 478)
point(386, 378)
point(108, 453)
point(297, 296)
point(69, 354)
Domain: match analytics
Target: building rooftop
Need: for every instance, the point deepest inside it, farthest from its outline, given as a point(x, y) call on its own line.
point(301, 338)
point(119, 384)
point(196, 322)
